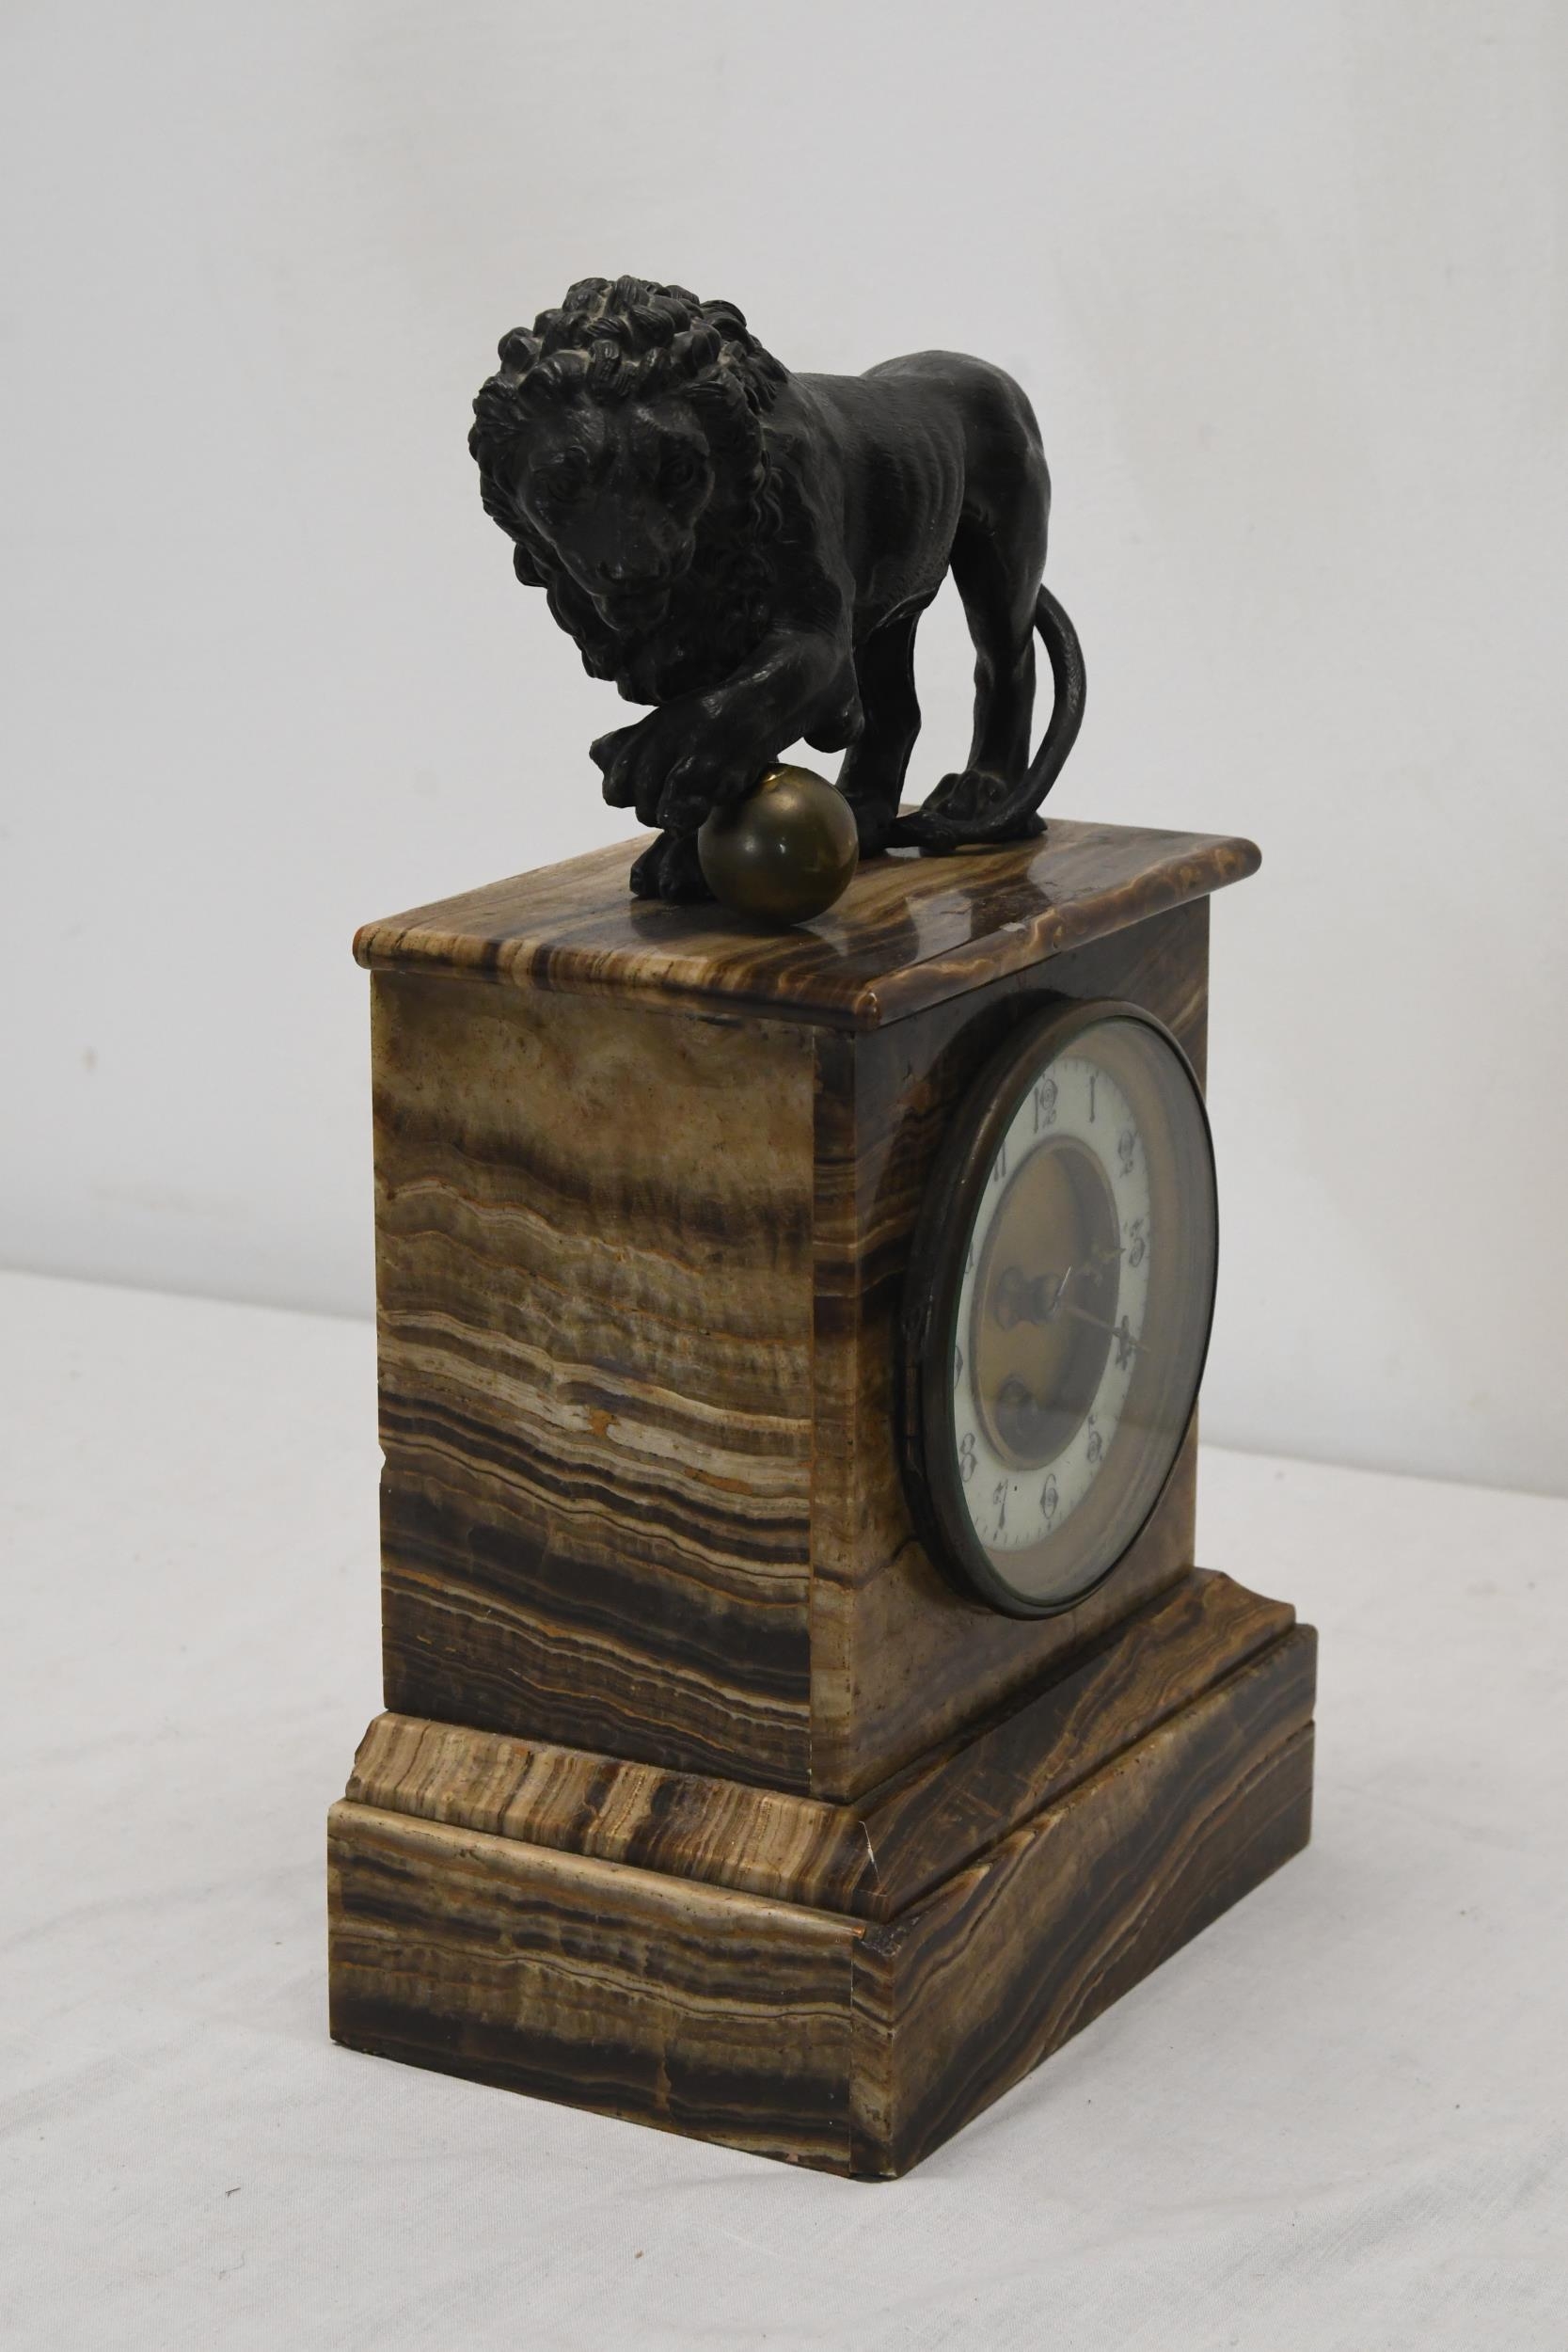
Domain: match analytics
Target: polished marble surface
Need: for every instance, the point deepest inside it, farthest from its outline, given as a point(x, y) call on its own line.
point(910, 931)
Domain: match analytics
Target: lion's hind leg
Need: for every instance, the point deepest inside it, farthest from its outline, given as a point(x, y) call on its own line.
point(996, 568)
point(872, 776)
point(998, 576)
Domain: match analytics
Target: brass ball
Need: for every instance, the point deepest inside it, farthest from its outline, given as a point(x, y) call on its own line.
point(785, 851)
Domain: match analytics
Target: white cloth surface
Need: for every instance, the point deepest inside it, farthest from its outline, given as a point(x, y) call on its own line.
point(1338, 2119)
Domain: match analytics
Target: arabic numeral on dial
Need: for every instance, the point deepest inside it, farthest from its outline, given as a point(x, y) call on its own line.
point(1045, 1104)
point(1137, 1242)
point(966, 1455)
point(999, 1497)
point(1094, 1081)
point(1095, 1445)
point(1049, 1499)
point(958, 1365)
point(1127, 1145)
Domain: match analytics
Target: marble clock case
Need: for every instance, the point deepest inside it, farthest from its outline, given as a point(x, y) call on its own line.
point(701, 1797)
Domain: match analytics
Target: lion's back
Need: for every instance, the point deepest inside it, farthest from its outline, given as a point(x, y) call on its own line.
point(981, 394)
point(922, 441)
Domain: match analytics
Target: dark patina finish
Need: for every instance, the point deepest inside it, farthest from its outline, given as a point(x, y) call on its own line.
point(751, 551)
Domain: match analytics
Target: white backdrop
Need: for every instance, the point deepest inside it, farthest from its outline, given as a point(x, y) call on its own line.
point(1286, 285)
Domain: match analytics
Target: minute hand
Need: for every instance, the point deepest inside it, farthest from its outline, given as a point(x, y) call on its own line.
point(1118, 1331)
point(1094, 1264)
point(1017, 1299)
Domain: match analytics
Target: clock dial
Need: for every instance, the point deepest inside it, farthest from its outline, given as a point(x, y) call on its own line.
point(1061, 1290)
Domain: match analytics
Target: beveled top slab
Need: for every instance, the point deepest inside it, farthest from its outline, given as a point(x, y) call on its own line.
point(908, 932)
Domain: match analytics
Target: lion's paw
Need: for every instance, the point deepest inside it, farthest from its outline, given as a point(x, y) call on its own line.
point(669, 868)
point(874, 823)
point(635, 761)
point(970, 806)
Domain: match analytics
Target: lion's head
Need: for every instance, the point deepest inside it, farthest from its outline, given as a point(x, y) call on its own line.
point(621, 446)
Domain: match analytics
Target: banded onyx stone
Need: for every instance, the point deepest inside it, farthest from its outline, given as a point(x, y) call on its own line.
point(686, 1736)
point(645, 1182)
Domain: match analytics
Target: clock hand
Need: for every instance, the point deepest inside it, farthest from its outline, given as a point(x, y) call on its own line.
point(1095, 1262)
point(1126, 1344)
point(1017, 1299)
point(1017, 1393)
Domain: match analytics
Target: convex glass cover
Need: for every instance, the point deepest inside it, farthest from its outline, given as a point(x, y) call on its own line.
point(1060, 1294)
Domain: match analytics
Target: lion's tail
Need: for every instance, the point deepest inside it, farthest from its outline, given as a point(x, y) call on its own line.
point(1066, 657)
point(972, 808)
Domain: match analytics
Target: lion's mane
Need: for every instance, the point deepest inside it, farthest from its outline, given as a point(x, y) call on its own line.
point(627, 339)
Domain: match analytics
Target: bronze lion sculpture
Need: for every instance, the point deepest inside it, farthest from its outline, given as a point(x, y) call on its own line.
point(751, 551)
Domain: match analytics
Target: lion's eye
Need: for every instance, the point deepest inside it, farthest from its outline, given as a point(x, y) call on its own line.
point(680, 469)
point(562, 486)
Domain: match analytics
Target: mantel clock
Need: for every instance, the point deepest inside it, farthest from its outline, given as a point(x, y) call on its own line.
point(804, 1708)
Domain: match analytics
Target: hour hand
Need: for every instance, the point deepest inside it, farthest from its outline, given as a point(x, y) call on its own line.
point(1018, 1299)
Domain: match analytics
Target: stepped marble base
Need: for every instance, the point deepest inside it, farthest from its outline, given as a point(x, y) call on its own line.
point(837, 1985)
